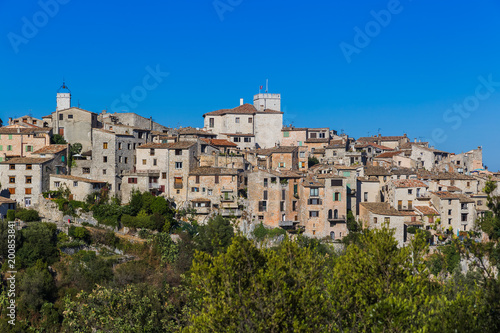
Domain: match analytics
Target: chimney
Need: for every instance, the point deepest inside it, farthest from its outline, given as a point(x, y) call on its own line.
point(241, 101)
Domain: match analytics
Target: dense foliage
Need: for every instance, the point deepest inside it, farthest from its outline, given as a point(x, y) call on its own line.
point(209, 279)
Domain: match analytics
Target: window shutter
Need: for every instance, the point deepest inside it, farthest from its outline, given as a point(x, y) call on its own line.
point(340, 196)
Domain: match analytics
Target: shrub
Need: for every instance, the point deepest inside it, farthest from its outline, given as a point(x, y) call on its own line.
point(261, 232)
point(27, 215)
point(11, 215)
point(79, 233)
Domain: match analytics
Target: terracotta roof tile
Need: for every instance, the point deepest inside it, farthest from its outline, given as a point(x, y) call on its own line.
point(220, 142)
point(408, 183)
point(75, 178)
point(426, 210)
point(51, 149)
point(26, 160)
point(242, 109)
point(207, 171)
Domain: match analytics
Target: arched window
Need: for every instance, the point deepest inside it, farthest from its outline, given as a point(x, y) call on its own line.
point(336, 214)
point(332, 235)
point(330, 214)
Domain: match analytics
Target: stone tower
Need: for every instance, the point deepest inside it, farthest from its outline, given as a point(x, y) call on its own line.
point(63, 97)
point(267, 101)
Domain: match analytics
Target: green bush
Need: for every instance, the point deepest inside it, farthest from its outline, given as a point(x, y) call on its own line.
point(80, 233)
point(27, 215)
point(261, 232)
point(11, 215)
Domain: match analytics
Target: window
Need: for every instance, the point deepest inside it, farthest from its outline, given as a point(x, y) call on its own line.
point(375, 220)
point(365, 196)
point(12, 180)
point(281, 165)
point(126, 160)
point(247, 139)
point(322, 135)
point(178, 152)
point(12, 167)
point(294, 205)
point(178, 182)
point(302, 154)
point(265, 182)
point(449, 211)
point(104, 145)
point(449, 202)
point(235, 139)
point(103, 171)
point(29, 167)
point(128, 146)
point(211, 122)
point(12, 190)
point(178, 165)
point(468, 184)
point(400, 204)
point(282, 206)
point(9, 148)
point(410, 204)
point(197, 179)
point(75, 184)
point(237, 120)
point(155, 162)
point(336, 182)
point(28, 179)
point(143, 162)
point(250, 120)
point(337, 196)
point(57, 184)
point(195, 189)
point(262, 206)
point(286, 134)
point(387, 219)
point(314, 192)
point(315, 201)
point(151, 152)
point(29, 148)
point(410, 191)
point(132, 180)
point(105, 159)
point(163, 175)
point(313, 213)
point(261, 217)
point(61, 116)
point(464, 217)
point(283, 194)
point(216, 179)
point(209, 191)
point(70, 116)
point(119, 159)
point(264, 195)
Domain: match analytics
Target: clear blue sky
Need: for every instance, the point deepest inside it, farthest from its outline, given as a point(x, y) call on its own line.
point(415, 67)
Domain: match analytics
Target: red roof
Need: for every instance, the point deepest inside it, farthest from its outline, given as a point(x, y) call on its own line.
point(220, 142)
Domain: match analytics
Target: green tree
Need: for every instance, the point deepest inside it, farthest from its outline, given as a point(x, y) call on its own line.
point(312, 161)
point(58, 139)
point(39, 241)
point(215, 236)
point(36, 287)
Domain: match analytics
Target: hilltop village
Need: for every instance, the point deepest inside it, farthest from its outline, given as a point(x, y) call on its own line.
point(245, 164)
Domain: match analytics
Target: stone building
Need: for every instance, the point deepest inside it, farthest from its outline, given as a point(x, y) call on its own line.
point(249, 126)
point(131, 119)
point(335, 205)
point(78, 186)
point(277, 158)
point(24, 179)
point(469, 161)
point(19, 141)
point(428, 158)
point(214, 189)
point(28, 120)
point(387, 141)
point(162, 168)
point(457, 211)
point(6, 204)
point(402, 194)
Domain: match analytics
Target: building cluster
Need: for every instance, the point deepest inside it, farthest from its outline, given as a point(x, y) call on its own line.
point(246, 164)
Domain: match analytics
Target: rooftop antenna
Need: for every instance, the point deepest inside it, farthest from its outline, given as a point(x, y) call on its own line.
point(379, 130)
point(267, 84)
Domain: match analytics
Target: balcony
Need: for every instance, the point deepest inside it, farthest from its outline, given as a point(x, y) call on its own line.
point(154, 186)
point(177, 186)
point(231, 212)
point(202, 210)
point(338, 218)
point(227, 198)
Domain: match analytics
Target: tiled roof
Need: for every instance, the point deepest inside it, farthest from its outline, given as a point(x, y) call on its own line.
point(285, 174)
point(309, 181)
point(372, 144)
point(51, 149)
point(424, 174)
point(426, 210)
point(402, 171)
point(276, 150)
point(207, 171)
point(242, 109)
point(382, 208)
point(389, 154)
point(291, 129)
point(319, 151)
point(347, 167)
point(80, 179)
point(194, 131)
point(110, 132)
point(172, 145)
point(368, 179)
point(408, 183)
point(323, 140)
point(381, 138)
point(4, 200)
point(376, 171)
point(451, 195)
point(26, 130)
point(26, 160)
point(220, 142)
point(408, 145)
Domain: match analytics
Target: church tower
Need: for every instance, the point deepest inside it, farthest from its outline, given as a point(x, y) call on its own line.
point(63, 97)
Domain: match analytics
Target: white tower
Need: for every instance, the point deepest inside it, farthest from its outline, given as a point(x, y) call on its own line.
point(267, 102)
point(63, 98)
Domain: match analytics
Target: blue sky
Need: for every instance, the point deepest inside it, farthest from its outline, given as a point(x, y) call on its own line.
point(406, 75)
